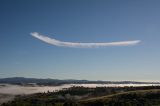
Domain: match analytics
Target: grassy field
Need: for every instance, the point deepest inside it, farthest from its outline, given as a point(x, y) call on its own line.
point(123, 93)
point(130, 98)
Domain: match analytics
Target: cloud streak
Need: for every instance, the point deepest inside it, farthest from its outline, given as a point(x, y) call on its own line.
point(55, 42)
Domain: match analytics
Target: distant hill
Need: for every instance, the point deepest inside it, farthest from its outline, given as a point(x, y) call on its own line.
point(22, 80)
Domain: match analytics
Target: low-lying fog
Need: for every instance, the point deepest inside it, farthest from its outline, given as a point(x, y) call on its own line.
point(17, 89)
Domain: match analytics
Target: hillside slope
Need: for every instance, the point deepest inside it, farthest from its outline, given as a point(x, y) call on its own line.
point(130, 98)
point(80, 96)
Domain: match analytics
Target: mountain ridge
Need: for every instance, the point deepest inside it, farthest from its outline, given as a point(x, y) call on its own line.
point(49, 81)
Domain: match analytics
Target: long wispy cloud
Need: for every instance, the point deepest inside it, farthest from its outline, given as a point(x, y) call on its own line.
point(55, 42)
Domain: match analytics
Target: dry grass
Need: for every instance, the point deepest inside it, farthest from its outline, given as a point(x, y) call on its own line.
point(108, 97)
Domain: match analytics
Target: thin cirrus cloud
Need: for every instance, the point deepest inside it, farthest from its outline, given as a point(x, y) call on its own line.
point(55, 42)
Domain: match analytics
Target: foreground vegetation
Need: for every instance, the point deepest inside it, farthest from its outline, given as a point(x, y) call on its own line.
point(100, 96)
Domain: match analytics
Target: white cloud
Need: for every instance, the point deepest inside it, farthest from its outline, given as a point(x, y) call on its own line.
point(55, 42)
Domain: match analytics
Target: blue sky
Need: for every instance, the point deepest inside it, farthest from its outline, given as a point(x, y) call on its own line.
point(23, 55)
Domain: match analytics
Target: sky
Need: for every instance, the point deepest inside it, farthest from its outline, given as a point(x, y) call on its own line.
point(85, 23)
